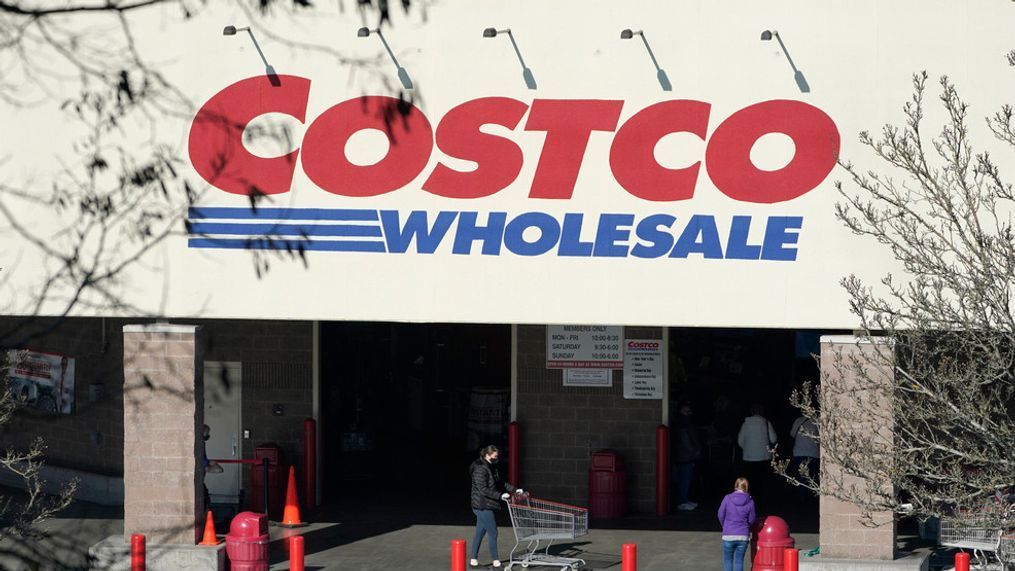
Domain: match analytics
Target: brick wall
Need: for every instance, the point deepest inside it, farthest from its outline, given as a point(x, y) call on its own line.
point(277, 358)
point(561, 426)
point(90, 439)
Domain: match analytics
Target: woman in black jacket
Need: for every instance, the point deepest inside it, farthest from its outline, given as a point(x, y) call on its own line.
point(486, 497)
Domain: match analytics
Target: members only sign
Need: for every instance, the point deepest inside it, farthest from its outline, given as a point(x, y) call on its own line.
point(584, 347)
point(643, 369)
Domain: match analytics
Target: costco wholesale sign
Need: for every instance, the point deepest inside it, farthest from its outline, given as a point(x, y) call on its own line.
point(584, 191)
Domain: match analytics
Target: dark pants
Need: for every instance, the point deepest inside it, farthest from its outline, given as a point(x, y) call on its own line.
point(684, 474)
point(486, 524)
point(758, 475)
point(733, 555)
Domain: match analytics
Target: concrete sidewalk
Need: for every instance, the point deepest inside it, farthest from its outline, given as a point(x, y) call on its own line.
point(392, 533)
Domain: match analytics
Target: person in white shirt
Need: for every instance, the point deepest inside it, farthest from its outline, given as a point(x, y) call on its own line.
point(756, 438)
point(805, 449)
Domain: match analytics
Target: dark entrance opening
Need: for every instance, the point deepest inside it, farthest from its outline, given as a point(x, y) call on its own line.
point(722, 374)
point(405, 407)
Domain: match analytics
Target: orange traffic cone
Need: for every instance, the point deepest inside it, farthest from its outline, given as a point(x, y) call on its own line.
point(291, 515)
point(209, 531)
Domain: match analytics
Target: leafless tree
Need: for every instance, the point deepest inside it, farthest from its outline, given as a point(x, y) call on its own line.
point(930, 428)
point(113, 200)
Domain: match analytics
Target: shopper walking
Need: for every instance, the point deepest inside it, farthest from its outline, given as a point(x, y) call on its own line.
point(687, 452)
point(805, 450)
point(756, 437)
point(486, 498)
point(736, 515)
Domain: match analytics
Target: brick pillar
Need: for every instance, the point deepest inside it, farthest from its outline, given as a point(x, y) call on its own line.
point(854, 361)
point(163, 452)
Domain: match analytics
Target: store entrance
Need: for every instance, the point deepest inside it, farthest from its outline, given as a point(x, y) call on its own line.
point(725, 376)
point(405, 407)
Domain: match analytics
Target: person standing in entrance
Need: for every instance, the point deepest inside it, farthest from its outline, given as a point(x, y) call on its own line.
point(736, 515)
point(756, 437)
point(486, 499)
point(686, 453)
point(805, 451)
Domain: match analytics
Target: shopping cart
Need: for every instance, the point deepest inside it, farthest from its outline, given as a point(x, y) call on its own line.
point(981, 533)
point(537, 524)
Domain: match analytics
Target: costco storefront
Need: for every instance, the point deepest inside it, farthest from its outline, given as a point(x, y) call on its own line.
point(550, 230)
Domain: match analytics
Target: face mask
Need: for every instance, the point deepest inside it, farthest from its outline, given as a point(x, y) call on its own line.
point(207, 437)
point(494, 460)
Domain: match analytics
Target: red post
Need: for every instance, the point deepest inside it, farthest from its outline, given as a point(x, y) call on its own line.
point(629, 557)
point(514, 454)
point(791, 560)
point(457, 555)
point(296, 553)
point(137, 553)
point(309, 463)
point(962, 561)
point(662, 470)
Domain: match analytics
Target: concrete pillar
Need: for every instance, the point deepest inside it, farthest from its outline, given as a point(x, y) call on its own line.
point(850, 364)
point(163, 414)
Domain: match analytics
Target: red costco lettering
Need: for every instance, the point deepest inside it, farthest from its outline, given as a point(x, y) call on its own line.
point(216, 137)
point(218, 154)
point(642, 345)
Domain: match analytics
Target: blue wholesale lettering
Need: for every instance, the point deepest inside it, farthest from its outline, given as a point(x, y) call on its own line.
point(611, 235)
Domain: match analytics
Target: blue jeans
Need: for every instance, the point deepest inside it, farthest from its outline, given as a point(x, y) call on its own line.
point(685, 473)
point(486, 524)
point(733, 555)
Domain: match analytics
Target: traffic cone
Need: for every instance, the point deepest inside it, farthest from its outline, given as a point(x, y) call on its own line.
point(291, 515)
point(209, 531)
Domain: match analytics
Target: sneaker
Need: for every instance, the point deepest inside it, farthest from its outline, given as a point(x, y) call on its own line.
point(473, 563)
point(693, 505)
point(496, 564)
point(686, 506)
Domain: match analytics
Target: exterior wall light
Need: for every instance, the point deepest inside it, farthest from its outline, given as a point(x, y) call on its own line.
point(403, 75)
point(268, 69)
point(798, 75)
point(664, 80)
point(530, 80)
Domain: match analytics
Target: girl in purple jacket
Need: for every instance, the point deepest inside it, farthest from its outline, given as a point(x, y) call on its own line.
point(736, 514)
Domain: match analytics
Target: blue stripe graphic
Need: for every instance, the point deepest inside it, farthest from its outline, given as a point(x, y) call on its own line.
point(294, 245)
point(285, 229)
point(246, 213)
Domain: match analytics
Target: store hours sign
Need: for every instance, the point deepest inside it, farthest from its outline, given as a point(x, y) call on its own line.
point(584, 347)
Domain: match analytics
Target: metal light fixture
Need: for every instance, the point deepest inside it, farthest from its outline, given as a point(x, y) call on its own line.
point(403, 75)
point(530, 80)
point(664, 80)
point(268, 69)
point(798, 75)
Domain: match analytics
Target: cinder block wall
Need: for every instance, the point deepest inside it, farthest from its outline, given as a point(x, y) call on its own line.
point(562, 426)
point(277, 358)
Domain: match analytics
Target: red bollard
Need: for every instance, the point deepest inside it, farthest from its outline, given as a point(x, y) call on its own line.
point(137, 553)
point(629, 557)
point(514, 454)
point(296, 553)
point(457, 555)
point(791, 560)
point(309, 463)
point(662, 470)
point(962, 561)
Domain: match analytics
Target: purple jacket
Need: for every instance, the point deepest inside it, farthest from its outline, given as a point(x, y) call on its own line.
point(736, 513)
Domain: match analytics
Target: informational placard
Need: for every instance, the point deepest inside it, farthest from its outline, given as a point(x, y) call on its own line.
point(643, 369)
point(584, 347)
point(588, 377)
point(42, 382)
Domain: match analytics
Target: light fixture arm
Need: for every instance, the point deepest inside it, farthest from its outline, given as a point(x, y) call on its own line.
point(651, 54)
point(257, 46)
point(518, 52)
point(789, 58)
point(387, 47)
